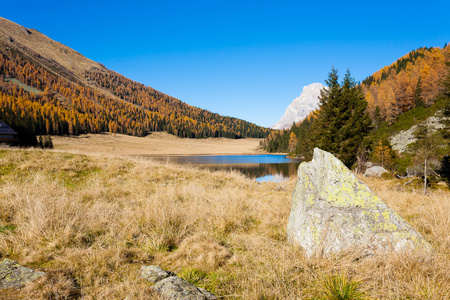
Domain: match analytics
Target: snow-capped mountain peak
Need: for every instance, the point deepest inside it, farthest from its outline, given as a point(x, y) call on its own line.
point(300, 106)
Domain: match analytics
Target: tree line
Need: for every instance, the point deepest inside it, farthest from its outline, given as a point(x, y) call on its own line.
point(72, 107)
point(339, 126)
point(344, 126)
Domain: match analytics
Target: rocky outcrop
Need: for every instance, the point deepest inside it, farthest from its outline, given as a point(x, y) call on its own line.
point(404, 138)
point(333, 211)
point(375, 171)
point(170, 286)
point(25, 30)
point(13, 275)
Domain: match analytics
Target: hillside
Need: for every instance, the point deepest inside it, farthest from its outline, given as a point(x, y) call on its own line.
point(413, 80)
point(78, 95)
point(399, 102)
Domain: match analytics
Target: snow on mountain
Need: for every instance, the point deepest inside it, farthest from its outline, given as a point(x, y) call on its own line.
point(300, 106)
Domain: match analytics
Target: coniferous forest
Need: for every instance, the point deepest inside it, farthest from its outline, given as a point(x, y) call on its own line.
point(355, 121)
point(37, 100)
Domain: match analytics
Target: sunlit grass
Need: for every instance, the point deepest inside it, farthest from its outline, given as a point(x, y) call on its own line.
point(92, 221)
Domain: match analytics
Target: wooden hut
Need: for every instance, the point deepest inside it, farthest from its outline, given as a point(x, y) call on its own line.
point(7, 135)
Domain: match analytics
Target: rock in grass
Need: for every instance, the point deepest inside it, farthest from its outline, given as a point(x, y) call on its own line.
point(333, 211)
point(153, 273)
point(375, 171)
point(171, 287)
point(176, 288)
point(13, 275)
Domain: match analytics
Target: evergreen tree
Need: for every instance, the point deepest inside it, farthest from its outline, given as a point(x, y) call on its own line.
point(445, 96)
point(327, 123)
point(426, 148)
point(356, 123)
point(418, 99)
point(342, 121)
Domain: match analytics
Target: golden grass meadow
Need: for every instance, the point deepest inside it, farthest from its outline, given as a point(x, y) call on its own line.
point(91, 221)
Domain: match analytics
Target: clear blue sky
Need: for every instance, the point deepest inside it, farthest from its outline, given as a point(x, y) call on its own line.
point(246, 59)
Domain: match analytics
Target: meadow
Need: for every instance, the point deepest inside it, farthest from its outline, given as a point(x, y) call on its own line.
point(91, 221)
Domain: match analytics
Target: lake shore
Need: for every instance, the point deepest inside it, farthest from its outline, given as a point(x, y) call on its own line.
point(155, 144)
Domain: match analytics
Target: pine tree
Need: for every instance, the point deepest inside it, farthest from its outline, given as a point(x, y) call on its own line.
point(356, 123)
point(418, 99)
point(425, 148)
point(326, 136)
point(342, 121)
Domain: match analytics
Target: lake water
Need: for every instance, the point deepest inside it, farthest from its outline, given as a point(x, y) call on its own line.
point(262, 167)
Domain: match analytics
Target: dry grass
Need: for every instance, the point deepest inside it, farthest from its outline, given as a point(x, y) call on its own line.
point(90, 222)
point(157, 143)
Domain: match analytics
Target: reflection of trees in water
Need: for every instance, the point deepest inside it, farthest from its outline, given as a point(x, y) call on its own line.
point(259, 170)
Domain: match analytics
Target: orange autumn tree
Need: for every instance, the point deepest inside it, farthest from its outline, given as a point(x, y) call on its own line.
point(292, 142)
point(394, 88)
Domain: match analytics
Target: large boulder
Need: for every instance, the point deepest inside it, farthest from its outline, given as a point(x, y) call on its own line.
point(333, 211)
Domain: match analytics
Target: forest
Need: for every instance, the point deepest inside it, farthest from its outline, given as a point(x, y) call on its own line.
point(38, 101)
point(356, 120)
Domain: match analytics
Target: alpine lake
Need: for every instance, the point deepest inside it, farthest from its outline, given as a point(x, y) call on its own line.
point(262, 168)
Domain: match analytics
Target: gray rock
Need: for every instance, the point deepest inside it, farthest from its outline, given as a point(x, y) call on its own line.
point(13, 275)
point(375, 171)
point(153, 273)
point(25, 30)
point(333, 211)
point(402, 140)
point(207, 294)
point(177, 288)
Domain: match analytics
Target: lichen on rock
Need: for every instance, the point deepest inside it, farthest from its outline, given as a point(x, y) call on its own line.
point(169, 286)
point(333, 211)
point(13, 275)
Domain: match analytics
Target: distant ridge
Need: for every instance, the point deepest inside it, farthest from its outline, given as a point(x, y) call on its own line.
point(300, 106)
point(77, 95)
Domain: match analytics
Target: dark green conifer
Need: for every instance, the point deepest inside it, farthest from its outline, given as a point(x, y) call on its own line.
point(418, 100)
point(327, 123)
point(342, 122)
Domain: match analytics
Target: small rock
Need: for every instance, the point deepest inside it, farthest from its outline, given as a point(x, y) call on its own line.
point(13, 275)
point(208, 295)
point(177, 288)
point(375, 171)
point(153, 273)
point(25, 30)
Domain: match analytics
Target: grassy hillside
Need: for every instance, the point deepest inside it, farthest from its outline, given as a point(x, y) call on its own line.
point(92, 221)
point(51, 89)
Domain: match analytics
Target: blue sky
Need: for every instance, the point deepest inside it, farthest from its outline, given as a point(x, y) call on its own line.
point(246, 59)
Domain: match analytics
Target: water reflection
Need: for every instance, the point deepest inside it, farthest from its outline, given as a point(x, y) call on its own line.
point(262, 168)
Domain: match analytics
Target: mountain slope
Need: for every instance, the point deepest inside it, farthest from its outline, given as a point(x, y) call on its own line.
point(411, 81)
point(79, 95)
point(300, 106)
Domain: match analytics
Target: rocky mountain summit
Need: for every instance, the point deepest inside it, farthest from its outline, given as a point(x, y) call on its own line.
point(300, 106)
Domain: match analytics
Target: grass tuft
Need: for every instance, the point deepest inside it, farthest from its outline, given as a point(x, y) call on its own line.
point(336, 287)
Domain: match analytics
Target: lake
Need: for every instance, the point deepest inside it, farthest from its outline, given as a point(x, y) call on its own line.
point(262, 167)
